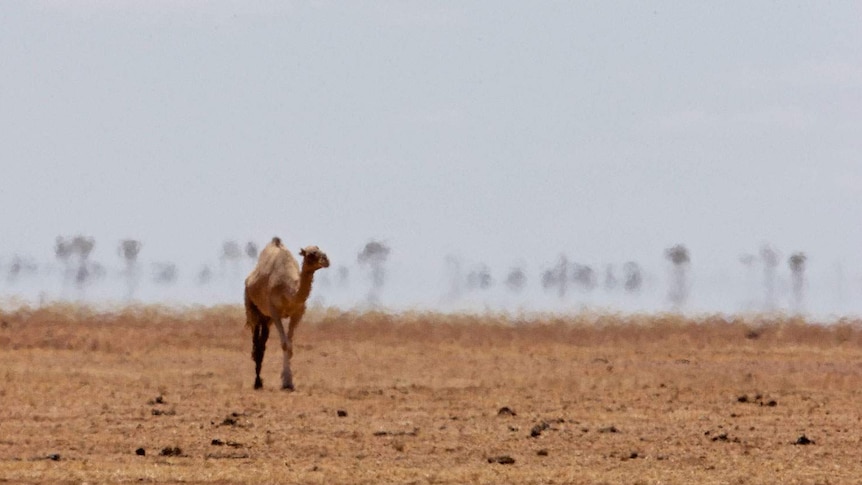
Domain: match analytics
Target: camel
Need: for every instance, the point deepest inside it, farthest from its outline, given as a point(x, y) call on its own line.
point(277, 288)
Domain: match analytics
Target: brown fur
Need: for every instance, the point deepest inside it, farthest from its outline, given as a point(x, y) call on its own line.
point(278, 288)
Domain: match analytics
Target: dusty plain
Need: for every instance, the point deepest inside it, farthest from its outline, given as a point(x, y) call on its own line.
point(148, 395)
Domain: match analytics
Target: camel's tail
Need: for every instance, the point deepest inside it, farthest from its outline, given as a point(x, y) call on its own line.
point(253, 315)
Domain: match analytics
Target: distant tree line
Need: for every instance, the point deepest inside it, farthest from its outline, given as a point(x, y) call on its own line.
point(74, 254)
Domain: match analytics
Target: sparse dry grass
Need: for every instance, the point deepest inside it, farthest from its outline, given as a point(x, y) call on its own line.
point(613, 399)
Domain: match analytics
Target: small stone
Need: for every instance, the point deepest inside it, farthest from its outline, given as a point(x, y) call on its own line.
point(506, 411)
point(804, 440)
point(502, 459)
point(341, 413)
point(542, 452)
point(171, 451)
point(537, 429)
point(141, 452)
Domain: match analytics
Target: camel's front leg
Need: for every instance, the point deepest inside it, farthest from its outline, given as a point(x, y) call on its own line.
point(287, 350)
point(294, 321)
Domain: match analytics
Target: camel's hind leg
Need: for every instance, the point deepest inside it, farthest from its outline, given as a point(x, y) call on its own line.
point(259, 338)
point(259, 324)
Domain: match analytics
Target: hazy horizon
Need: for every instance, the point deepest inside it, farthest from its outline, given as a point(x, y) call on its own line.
point(828, 293)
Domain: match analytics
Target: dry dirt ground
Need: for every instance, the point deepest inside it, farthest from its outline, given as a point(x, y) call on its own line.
point(153, 395)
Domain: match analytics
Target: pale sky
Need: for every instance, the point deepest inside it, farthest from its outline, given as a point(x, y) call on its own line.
point(500, 131)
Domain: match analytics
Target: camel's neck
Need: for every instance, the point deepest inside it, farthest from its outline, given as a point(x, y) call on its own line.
point(306, 278)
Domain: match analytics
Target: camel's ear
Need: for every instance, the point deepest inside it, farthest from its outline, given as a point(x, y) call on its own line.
point(302, 252)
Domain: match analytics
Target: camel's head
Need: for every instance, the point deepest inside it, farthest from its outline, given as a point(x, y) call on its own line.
point(313, 258)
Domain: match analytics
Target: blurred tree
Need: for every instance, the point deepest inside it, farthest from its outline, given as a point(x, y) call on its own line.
point(633, 277)
point(480, 278)
point(557, 276)
point(374, 256)
point(230, 257)
point(251, 250)
point(74, 255)
point(770, 258)
point(679, 258)
point(129, 249)
point(343, 277)
point(83, 247)
point(20, 267)
point(165, 273)
point(205, 275)
point(62, 250)
point(516, 280)
point(797, 271)
point(584, 276)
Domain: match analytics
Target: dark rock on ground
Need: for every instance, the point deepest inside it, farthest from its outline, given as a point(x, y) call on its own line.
point(232, 444)
point(804, 440)
point(171, 451)
point(506, 411)
point(757, 399)
point(537, 429)
point(502, 459)
point(723, 437)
